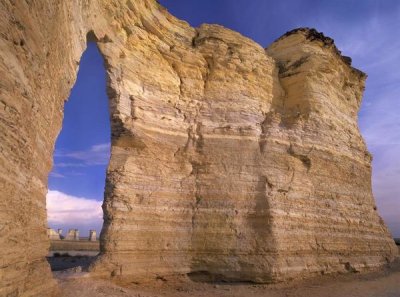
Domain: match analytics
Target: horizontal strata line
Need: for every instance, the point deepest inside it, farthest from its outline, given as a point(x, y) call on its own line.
point(239, 223)
point(310, 253)
point(282, 233)
point(210, 185)
point(229, 219)
point(276, 253)
point(183, 237)
point(243, 224)
point(244, 202)
point(221, 208)
point(206, 171)
point(145, 126)
point(232, 229)
point(235, 191)
point(345, 233)
point(276, 211)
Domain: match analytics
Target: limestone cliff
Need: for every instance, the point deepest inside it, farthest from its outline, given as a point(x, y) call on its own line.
point(227, 160)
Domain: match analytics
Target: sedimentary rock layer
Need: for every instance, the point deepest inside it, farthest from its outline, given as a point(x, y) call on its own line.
point(227, 160)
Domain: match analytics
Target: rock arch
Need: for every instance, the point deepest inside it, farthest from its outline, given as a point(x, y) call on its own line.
point(220, 149)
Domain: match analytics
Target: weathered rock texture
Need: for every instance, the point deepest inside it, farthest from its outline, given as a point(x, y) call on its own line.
point(228, 160)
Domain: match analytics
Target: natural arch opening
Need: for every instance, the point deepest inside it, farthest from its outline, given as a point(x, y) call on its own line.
point(81, 156)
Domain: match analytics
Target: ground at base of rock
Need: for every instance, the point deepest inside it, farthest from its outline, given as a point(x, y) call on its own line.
point(375, 284)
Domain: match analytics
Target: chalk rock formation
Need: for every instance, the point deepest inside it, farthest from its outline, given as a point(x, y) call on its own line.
point(53, 234)
point(92, 235)
point(73, 234)
point(227, 160)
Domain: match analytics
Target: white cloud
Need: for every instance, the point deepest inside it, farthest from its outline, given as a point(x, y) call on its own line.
point(62, 165)
point(56, 175)
point(98, 154)
point(64, 210)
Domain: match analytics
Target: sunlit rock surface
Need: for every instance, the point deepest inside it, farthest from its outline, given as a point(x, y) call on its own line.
point(228, 160)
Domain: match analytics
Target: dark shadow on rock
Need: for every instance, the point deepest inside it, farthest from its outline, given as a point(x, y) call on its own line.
point(65, 261)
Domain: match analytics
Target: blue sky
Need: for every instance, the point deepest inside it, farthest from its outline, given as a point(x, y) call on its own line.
point(82, 148)
point(365, 30)
point(76, 183)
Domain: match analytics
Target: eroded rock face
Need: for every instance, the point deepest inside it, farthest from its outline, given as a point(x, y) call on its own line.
point(227, 160)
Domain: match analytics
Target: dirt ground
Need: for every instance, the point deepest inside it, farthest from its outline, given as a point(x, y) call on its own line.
point(386, 283)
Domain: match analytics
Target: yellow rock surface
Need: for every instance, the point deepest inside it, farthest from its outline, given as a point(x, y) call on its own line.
point(227, 160)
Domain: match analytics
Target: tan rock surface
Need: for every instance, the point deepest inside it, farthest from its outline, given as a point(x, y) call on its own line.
point(227, 160)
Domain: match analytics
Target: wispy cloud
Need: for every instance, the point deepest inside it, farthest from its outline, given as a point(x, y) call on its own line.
point(63, 165)
point(67, 210)
point(373, 45)
point(98, 154)
point(56, 175)
point(376, 51)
